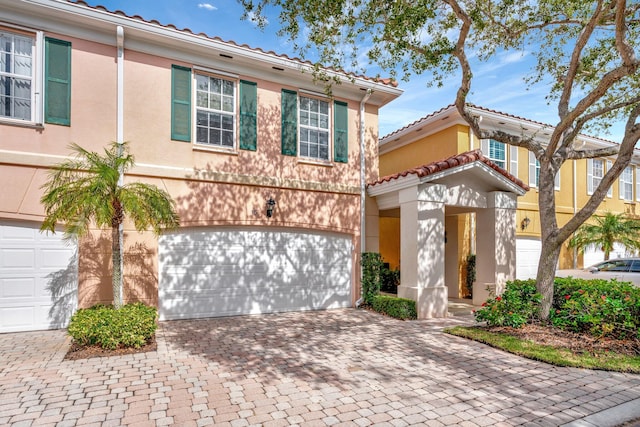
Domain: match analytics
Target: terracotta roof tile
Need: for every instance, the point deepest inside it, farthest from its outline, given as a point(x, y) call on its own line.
point(452, 162)
point(385, 81)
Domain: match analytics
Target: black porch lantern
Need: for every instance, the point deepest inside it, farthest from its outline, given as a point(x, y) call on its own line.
point(270, 205)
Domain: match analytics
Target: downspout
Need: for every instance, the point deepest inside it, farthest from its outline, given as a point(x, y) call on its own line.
point(120, 137)
point(363, 237)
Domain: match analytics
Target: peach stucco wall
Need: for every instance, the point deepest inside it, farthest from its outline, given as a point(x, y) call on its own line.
point(211, 188)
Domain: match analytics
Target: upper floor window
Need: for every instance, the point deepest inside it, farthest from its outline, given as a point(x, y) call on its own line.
point(215, 111)
point(534, 173)
point(16, 76)
point(314, 128)
point(31, 89)
point(595, 173)
point(626, 184)
point(497, 153)
point(225, 110)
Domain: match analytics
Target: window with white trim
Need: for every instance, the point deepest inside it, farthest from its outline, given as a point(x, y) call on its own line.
point(626, 184)
point(637, 184)
point(314, 128)
point(595, 173)
point(17, 75)
point(497, 153)
point(215, 111)
point(534, 173)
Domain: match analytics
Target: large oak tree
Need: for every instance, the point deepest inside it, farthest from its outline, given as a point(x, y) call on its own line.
point(585, 51)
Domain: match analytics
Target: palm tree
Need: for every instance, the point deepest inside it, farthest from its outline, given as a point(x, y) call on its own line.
point(88, 190)
point(608, 229)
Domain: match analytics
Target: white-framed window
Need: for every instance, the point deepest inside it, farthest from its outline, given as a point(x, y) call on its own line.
point(534, 173)
point(18, 78)
point(595, 173)
point(314, 128)
point(497, 153)
point(637, 184)
point(215, 111)
point(626, 184)
point(610, 191)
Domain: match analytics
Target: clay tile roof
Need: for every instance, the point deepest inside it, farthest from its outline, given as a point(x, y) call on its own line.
point(385, 81)
point(452, 162)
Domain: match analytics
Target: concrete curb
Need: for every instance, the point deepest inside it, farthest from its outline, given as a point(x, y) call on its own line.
point(611, 417)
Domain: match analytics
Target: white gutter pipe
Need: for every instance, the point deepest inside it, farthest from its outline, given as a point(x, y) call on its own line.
point(363, 237)
point(120, 136)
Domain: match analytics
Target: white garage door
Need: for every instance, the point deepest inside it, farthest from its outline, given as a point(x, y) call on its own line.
point(594, 256)
point(225, 272)
point(38, 279)
point(527, 258)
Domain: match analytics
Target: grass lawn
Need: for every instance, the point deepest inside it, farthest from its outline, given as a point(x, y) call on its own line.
point(552, 354)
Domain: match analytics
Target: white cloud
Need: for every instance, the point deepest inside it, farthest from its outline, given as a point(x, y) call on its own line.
point(207, 6)
point(253, 18)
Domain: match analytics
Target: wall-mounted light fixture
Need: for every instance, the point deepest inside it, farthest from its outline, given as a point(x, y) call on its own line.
point(270, 205)
point(525, 223)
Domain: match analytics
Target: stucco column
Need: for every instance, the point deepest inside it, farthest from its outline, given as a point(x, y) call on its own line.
point(496, 245)
point(422, 249)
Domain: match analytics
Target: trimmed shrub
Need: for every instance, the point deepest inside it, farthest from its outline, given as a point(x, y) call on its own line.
point(131, 326)
point(597, 307)
point(371, 275)
point(517, 305)
point(400, 308)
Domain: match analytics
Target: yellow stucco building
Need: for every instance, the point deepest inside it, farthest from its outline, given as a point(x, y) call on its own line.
point(444, 134)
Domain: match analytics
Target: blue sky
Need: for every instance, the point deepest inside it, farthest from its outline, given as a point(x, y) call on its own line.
point(498, 85)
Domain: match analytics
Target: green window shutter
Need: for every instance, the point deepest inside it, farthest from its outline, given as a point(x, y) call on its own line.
point(340, 132)
point(289, 122)
point(248, 115)
point(180, 103)
point(57, 82)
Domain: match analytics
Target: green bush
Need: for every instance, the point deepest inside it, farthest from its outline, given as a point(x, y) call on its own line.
point(597, 307)
point(131, 326)
point(389, 279)
point(400, 308)
point(517, 305)
point(371, 275)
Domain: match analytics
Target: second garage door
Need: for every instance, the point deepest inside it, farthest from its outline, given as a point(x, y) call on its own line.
point(38, 278)
point(225, 272)
point(527, 257)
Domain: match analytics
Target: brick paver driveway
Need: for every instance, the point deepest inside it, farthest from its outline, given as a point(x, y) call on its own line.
point(348, 367)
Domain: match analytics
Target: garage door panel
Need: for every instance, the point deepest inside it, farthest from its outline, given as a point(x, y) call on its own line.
point(38, 278)
point(252, 271)
point(527, 257)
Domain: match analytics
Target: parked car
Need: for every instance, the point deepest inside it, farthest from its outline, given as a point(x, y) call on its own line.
point(623, 270)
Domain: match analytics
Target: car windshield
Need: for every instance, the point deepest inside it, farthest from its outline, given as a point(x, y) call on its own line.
point(614, 265)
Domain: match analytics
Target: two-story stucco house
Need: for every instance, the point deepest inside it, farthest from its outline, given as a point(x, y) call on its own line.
point(442, 137)
point(267, 172)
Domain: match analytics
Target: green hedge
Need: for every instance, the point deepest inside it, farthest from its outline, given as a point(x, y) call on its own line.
point(400, 308)
point(597, 307)
point(131, 326)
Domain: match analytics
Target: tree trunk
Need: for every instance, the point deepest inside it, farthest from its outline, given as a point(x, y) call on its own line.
point(546, 275)
point(116, 257)
point(551, 243)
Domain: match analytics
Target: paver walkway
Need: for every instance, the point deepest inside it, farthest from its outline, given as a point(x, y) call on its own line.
point(343, 367)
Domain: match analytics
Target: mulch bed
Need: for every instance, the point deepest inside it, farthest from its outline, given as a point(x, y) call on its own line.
point(577, 343)
point(85, 352)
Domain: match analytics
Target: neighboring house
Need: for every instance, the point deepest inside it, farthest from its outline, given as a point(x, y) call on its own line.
point(223, 127)
point(444, 134)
